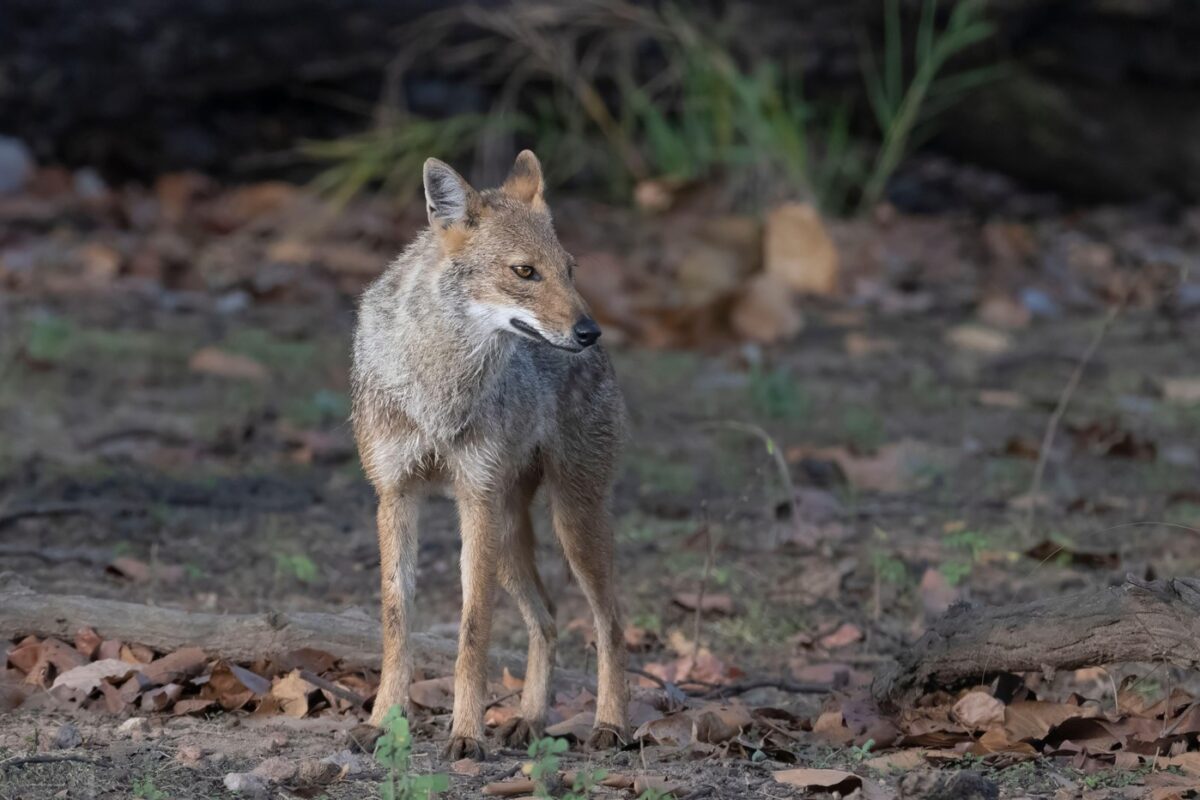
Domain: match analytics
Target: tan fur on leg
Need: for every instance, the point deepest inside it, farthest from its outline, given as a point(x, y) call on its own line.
point(397, 522)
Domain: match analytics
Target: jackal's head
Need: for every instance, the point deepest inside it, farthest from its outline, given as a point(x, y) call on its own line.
point(501, 255)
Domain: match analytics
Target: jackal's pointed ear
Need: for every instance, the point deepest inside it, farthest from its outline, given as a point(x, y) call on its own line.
point(448, 197)
point(525, 182)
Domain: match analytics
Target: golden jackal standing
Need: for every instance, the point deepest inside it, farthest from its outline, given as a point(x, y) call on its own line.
point(475, 364)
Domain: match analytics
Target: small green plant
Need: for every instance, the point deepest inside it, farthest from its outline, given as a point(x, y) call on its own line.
point(298, 566)
point(904, 109)
point(545, 755)
point(394, 752)
point(145, 789)
point(860, 753)
point(862, 427)
point(969, 547)
point(775, 394)
point(49, 339)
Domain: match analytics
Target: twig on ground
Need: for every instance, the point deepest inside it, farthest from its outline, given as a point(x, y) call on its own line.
point(1064, 400)
point(708, 557)
point(57, 510)
point(333, 688)
point(783, 685)
point(21, 761)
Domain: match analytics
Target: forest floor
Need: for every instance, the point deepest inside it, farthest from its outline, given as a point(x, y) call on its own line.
point(911, 431)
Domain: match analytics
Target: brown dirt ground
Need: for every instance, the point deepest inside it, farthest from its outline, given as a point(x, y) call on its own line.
point(209, 474)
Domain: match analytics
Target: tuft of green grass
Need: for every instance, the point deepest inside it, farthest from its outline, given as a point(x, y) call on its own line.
point(570, 80)
point(145, 789)
point(393, 751)
point(862, 428)
point(776, 395)
point(297, 566)
point(903, 109)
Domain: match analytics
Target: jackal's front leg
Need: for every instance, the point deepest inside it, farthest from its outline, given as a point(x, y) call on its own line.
point(482, 522)
point(397, 521)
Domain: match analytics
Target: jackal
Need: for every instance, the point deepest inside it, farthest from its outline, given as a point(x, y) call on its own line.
point(476, 366)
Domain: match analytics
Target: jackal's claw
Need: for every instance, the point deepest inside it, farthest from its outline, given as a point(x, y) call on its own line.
point(605, 737)
point(464, 747)
point(519, 732)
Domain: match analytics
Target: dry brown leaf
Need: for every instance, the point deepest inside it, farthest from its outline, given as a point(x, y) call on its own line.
point(577, 726)
point(673, 730)
point(495, 716)
point(978, 339)
point(435, 694)
point(87, 641)
point(860, 345)
point(709, 603)
point(720, 723)
point(844, 635)
point(895, 467)
point(798, 250)
point(225, 687)
point(765, 312)
point(292, 691)
point(140, 572)
point(511, 682)
point(1001, 311)
point(1027, 720)
point(162, 697)
point(54, 658)
point(184, 663)
point(1002, 398)
point(937, 595)
point(831, 725)
point(824, 780)
point(192, 705)
point(25, 654)
point(223, 364)
point(978, 711)
point(88, 677)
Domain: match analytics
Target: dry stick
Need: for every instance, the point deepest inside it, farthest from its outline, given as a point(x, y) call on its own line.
point(773, 449)
point(333, 688)
point(708, 554)
point(1064, 400)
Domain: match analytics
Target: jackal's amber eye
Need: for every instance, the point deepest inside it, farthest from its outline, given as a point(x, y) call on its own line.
point(525, 271)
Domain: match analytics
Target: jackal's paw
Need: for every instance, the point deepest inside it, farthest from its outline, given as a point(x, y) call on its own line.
point(605, 737)
point(364, 736)
point(519, 732)
point(464, 747)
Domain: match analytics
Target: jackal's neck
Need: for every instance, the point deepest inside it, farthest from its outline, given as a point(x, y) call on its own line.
point(420, 349)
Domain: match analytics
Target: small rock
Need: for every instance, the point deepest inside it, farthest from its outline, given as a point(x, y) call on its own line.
point(276, 769)
point(279, 740)
point(190, 755)
point(1001, 311)
point(89, 185)
point(955, 786)
point(246, 783)
point(232, 302)
point(1039, 303)
point(347, 760)
point(16, 164)
point(134, 725)
point(313, 772)
point(67, 737)
point(798, 250)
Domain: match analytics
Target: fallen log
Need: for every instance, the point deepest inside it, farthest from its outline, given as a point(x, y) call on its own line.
point(1137, 621)
point(352, 636)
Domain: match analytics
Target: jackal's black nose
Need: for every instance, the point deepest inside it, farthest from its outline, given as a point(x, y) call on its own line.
point(586, 332)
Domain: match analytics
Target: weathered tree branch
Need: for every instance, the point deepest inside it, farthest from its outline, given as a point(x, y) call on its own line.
point(352, 636)
point(1145, 621)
